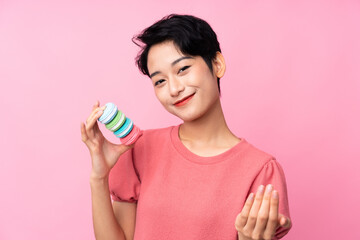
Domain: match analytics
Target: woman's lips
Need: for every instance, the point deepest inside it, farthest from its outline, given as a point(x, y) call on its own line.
point(184, 100)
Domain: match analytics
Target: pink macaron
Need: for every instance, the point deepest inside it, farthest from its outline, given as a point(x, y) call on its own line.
point(132, 137)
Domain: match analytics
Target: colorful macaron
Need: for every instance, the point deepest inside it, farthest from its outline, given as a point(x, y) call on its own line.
point(119, 124)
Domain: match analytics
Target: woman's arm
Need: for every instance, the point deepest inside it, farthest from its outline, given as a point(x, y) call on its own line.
point(125, 213)
point(104, 156)
point(104, 220)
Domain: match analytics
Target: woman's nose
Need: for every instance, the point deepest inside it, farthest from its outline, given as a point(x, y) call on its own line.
point(176, 86)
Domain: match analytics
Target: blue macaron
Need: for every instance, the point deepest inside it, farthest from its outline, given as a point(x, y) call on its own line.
point(125, 129)
point(109, 113)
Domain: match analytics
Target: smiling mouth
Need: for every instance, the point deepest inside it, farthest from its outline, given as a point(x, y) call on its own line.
point(184, 100)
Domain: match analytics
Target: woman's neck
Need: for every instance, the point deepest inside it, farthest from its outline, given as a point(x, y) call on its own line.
point(208, 134)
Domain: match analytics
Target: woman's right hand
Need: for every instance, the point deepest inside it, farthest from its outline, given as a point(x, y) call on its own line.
point(104, 154)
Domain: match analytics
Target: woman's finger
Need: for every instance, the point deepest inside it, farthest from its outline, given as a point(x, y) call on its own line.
point(94, 112)
point(96, 105)
point(91, 126)
point(84, 136)
point(284, 221)
point(242, 217)
point(249, 227)
point(272, 223)
point(263, 214)
point(96, 127)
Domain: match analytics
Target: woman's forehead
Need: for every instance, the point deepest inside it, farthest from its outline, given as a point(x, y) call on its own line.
point(164, 53)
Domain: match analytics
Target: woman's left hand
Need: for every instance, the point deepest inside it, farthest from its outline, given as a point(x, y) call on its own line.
point(260, 216)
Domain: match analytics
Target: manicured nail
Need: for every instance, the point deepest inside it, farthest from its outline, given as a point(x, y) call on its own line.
point(261, 189)
point(251, 197)
point(275, 194)
point(269, 188)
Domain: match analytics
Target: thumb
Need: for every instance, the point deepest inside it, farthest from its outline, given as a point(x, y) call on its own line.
point(284, 221)
point(123, 148)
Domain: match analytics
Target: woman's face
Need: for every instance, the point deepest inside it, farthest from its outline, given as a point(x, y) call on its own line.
point(184, 84)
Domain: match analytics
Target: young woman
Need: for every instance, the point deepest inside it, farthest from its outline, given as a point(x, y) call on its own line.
point(196, 180)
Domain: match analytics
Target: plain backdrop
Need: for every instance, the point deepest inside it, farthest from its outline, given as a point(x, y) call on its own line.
point(292, 89)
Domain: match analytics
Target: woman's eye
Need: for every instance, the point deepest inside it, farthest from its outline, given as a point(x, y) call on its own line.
point(158, 82)
point(183, 69)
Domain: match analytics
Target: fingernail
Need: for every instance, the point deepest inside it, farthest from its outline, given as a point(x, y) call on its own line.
point(275, 194)
point(269, 188)
point(251, 197)
point(261, 189)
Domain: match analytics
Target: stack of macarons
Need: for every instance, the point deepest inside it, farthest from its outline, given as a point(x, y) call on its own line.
point(119, 124)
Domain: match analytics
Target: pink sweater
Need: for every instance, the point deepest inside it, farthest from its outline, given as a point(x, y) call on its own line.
point(181, 195)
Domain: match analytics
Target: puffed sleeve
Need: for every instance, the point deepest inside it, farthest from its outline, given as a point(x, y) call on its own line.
point(272, 173)
point(124, 181)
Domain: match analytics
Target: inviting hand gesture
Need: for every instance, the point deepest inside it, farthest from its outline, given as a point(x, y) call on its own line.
point(260, 216)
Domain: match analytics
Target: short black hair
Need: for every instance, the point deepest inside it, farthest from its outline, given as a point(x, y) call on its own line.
point(193, 36)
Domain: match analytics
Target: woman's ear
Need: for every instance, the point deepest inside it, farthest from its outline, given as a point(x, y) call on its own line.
point(219, 66)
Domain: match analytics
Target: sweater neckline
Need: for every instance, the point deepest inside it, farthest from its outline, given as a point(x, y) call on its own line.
point(192, 157)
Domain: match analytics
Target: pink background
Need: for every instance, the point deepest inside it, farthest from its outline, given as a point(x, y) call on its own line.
point(292, 88)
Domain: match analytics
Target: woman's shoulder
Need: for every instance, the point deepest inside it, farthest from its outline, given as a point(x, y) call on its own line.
point(257, 155)
point(158, 132)
point(155, 135)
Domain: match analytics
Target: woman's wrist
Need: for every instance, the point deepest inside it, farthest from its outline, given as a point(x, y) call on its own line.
point(96, 179)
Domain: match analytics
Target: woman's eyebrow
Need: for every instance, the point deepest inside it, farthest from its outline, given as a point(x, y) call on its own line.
point(172, 64)
point(182, 58)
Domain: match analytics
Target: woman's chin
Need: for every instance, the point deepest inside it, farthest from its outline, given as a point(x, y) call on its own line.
point(189, 117)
